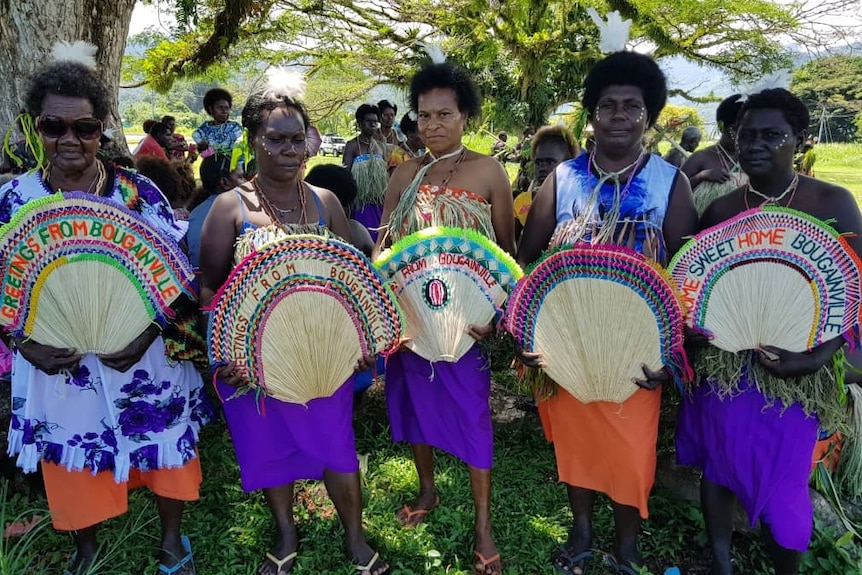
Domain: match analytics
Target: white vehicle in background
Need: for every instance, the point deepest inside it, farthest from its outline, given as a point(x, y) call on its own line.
point(332, 145)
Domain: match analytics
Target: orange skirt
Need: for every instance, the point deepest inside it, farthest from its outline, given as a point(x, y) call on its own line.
point(606, 447)
point(828, 451)
point(79, 499)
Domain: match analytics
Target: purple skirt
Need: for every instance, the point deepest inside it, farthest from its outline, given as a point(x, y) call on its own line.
point(760, 452)
point(370, 217)
point(284, 442)
point(443, 404)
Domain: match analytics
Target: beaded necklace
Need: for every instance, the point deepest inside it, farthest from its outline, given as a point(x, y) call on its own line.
point(272, 211)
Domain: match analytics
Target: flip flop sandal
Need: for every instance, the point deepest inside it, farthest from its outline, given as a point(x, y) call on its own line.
point(481, 568)
point(279, 563)
point(566, 563)
point(187, 559)
point(371, 565)
point(420, 514)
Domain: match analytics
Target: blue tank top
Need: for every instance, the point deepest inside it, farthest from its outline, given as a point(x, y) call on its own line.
point(643, 203)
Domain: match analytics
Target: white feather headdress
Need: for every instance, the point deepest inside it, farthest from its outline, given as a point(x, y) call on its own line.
point(434, 51)
point(614, 33)
point(283, 82)
point(80, 52)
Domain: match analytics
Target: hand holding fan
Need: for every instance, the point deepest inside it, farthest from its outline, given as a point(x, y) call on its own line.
point(298, 314)
point(596, 314)
point(771, 276)
point(447, 279)
point(85, 273)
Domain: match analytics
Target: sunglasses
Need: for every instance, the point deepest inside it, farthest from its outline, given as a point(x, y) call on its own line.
point(83, 128)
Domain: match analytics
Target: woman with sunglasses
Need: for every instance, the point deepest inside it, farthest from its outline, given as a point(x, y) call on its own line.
point(101, 424)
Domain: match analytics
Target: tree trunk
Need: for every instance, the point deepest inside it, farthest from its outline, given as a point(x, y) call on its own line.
point(28, 31)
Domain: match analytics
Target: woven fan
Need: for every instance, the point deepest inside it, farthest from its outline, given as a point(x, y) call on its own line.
point(770, 276)
point(299, 313)
point(85, 273)
point(596, 314)
point(447, 279)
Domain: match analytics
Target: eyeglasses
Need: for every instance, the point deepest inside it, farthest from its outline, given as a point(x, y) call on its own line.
point(83, 128)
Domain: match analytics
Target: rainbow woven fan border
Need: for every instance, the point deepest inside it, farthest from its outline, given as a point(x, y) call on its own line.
point(696, 252)
point(26, 266)
point(442, 239)
point(609, 263)
point(327, 250)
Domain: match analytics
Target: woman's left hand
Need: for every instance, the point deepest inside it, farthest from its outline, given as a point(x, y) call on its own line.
point(652, 379)
point(788, 364)
point(132, 354)
point(480, 332)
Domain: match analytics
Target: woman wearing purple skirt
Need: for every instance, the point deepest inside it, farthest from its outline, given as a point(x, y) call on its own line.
point(279, 443)
point(366, 159)
point(445, 405)
point(750, 445)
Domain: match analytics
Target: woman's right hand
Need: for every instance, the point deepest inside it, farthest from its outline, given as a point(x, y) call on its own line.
point(231, 374)
point(528, 358)
point(51, 360)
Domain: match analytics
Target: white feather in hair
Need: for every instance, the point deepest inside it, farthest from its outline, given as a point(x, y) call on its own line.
point(434, 51)
point(284, 82)
point(614, 33)
point(80, 52)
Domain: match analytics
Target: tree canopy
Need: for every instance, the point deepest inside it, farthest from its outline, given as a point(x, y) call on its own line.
point(528, 56)
point(831, 87)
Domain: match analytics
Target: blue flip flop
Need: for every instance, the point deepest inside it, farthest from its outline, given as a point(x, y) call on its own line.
point(187, 547)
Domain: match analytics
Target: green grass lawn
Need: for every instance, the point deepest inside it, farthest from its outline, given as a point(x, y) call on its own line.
point(230, 530)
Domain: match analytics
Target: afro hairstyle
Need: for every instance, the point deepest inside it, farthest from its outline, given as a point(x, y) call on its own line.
point(384, 104)
point(451, 76)
point(364, 110)
point(627, 69)
point(555, 134)
point(69, 79)
point(336, 179)
point(727, 112)
point(214, 95)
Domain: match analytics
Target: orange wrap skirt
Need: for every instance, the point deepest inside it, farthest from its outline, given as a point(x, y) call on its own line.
point(605, 447)
point(79, 499)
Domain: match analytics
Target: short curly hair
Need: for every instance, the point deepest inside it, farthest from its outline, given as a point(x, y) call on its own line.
point(384, 104)
point(337, 179)
point(409, 125)
point(364, 110)
point(164, 176)
point(627, 69)
point(451, 76)
point(727, 112)
point(214, 95)
point(555, 134)
point(791, 107)
point(69, 79)
point(267, 101)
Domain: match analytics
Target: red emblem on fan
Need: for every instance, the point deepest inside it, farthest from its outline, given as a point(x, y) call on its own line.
point(436, 293)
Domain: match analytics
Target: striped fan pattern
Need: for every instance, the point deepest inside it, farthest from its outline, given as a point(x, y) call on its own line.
point(299, 313)
point(770, 276)
point(596, 314)
point(85, 273)
point(447, 279)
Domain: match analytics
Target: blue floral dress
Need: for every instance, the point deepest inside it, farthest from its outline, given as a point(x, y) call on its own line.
point(96, 417)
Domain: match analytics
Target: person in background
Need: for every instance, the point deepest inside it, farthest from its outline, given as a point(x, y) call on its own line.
point(689, 143)
point(714, 170)
point(155, 142)
point(412, 147)
point(221, 133)
point(552, 145)
point(216, 177)
point(807, 157)
point(164, 174)
point(388, 133)
point(364, 156)
point(146, 127)
point(499, 150)
point(177, 146)
point(339, 181)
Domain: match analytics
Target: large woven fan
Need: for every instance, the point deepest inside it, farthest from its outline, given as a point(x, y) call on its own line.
point(85, 273)
point(298, 314)
point(447, 279)
point(770, 276)
point(596, 314)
